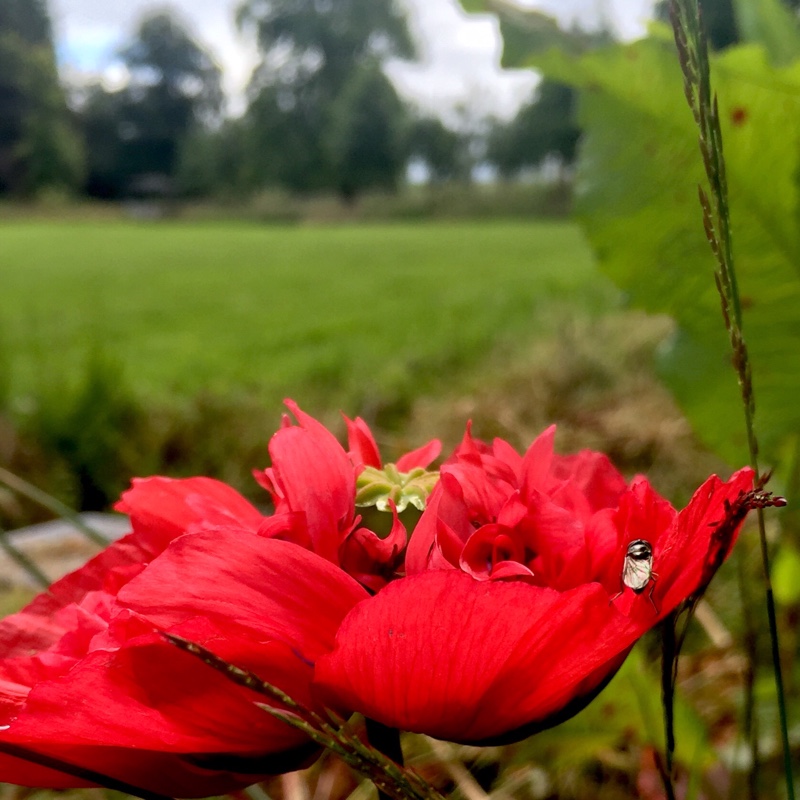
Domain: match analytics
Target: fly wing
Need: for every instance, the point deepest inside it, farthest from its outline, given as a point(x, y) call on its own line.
point(636, 574)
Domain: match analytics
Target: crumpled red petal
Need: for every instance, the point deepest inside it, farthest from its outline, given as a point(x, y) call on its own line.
point(162, 508)
point(106, 691)
point(315, 477)
point(147, 702)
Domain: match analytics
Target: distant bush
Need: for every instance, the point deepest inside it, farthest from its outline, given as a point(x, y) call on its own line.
point(447, 201)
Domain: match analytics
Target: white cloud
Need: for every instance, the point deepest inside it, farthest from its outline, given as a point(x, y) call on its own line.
point(459, 66)
point(627, 18)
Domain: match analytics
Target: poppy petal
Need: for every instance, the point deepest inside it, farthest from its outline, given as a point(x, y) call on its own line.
point(443, 654)
point(163, 508)
point(536, 463)
point(315, 476)
point(421, 457)
point(361, 444)
point(684, 552)
point(273, 589)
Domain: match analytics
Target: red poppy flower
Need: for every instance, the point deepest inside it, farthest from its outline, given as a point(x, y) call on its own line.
point(87, 679)
point(318, 488)
point(514, 614)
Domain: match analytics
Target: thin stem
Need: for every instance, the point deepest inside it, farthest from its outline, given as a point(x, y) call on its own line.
point(465, 783)
point(693, 56)
point(776, 661)
point(51, 503)
point(669, 657)
point(28, 564)
point(676, 625)
point(750, 721)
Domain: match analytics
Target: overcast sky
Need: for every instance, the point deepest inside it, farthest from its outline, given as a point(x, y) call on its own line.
point(460, 53)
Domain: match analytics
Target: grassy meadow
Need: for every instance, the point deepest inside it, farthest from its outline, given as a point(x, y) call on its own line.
point(138, 348)
point(347, 315)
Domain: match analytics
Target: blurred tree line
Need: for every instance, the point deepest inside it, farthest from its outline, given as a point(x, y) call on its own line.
point(321, 113)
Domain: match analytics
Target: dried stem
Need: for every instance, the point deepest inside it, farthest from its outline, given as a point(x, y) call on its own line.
point(390, 778)
point(693, 56)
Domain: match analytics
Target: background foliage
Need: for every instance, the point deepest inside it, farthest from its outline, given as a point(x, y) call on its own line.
point(38, 144)
point(638, 206)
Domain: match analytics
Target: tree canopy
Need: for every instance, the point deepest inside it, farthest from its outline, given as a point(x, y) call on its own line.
point(327, 38)
point(443, 151)
point(318, 58)
point(366, 136)
point(38, 146)
point(28, 19)
point(134, 136)
point(545, 126)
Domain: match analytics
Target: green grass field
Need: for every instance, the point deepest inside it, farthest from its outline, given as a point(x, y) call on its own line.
point(346, 315)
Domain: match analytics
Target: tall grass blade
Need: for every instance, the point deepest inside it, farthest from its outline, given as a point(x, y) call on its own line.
point(694, 60)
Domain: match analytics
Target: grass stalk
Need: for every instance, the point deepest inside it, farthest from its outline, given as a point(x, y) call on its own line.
point(24, 561)
point(694, 60)
point(21, 486)
point(391, 779)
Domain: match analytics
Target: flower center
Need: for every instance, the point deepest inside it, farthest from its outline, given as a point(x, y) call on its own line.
point(376, 487)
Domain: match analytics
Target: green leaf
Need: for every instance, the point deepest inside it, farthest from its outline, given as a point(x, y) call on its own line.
point(475, 6)
point(786, 575)
point(771, 24)
point(639, 169)
point(526, 31)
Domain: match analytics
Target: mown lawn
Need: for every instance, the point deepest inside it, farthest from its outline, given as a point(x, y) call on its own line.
point(340, 314)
